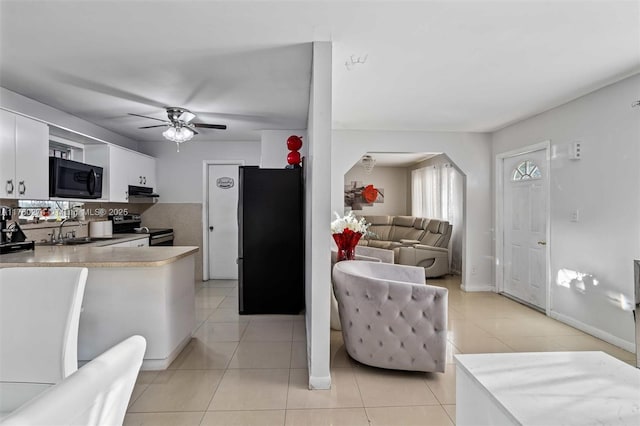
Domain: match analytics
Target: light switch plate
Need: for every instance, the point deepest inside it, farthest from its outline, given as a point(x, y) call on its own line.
point(575, 215)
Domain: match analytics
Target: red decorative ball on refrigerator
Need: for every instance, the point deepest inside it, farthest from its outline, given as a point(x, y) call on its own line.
point(293, 157)
point(294, 143)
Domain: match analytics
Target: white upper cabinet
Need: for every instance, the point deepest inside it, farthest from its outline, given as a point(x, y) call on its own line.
point(24, 157)
point(122, 168)
point(144, 172)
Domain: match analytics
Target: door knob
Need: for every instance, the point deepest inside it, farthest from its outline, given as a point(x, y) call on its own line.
point(542, 243)
point(211, 228)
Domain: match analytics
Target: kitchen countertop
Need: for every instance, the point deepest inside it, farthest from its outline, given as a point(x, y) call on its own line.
point(552, 388)
point(92, 256)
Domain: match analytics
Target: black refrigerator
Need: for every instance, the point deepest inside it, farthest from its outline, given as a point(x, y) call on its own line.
point(271, 241)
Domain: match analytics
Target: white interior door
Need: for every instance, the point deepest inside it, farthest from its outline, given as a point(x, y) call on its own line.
point(525, 211)
point(223, 221)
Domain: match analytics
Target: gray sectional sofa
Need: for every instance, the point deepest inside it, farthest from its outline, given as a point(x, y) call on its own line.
point(415, 241)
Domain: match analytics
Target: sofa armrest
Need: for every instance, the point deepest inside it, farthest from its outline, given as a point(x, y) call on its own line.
point(432, 248)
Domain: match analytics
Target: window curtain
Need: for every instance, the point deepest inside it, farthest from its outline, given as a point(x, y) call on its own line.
point(436, 192)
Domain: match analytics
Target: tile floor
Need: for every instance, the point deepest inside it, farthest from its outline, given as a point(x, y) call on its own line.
point(251, 370)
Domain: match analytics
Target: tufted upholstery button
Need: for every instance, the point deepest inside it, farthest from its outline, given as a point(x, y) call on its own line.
point(391, 329)
point(347, 293)
point(368, 326)
point(379, 313)
point(350, 323)
point(413, 360)
point(389, 298)
point(402, 314)
point(402, 344)
point(361, 341)
point(390, 359)
point(357, 309)
point(413, 330)
point(380, 343)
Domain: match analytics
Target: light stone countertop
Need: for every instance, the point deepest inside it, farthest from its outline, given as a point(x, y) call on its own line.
point(553, 388)
point(91, 256)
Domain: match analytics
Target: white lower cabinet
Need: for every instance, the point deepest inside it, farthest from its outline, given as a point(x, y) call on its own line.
point(142, 242)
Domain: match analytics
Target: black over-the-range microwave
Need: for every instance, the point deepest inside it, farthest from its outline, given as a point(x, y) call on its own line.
point(72, 179)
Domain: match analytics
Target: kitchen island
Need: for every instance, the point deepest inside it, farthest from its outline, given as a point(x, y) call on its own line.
point(147, 291)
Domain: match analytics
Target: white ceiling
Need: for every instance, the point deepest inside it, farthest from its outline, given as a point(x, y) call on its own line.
point(428, 65)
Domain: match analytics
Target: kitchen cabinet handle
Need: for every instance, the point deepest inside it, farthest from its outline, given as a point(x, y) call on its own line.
point(22, 188)
point(140, 179)
point(145, 179)
point(10, 185)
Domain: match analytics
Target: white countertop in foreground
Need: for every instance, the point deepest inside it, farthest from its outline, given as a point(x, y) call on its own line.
point(558, 388)
point(97, 257)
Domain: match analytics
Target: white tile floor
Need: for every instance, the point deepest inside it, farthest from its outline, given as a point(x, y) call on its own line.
point(251, 370)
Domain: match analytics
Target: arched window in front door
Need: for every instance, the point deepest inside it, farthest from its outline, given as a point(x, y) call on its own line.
point(527, 170)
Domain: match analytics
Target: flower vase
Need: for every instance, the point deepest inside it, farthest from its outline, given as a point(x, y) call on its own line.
point(346, 242)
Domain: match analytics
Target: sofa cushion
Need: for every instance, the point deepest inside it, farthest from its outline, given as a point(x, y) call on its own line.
point(404, 228)
point(380, 227)
point(406, 221)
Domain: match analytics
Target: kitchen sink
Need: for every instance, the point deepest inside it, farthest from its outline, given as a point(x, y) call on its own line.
point(76, 241)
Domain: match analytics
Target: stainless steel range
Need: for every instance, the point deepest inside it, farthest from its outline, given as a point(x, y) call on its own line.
point(129, 224)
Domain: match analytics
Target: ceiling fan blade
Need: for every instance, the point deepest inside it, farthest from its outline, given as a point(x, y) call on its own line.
point(105, 89)
point(146, 116)
point(187, 116)
point(210, 126)
point(151, 127)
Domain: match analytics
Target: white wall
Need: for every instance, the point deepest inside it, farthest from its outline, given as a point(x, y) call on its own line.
point(603, 185)
point(28, 107)
point(318, 218)
point(179, 174)
point(470, 151)
point(274, 147)
point(393, 180)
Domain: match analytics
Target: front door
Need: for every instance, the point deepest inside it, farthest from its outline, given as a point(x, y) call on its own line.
point(525, 212)
point(223, 221)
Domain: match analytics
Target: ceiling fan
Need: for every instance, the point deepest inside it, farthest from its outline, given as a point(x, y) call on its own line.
point(180, 128)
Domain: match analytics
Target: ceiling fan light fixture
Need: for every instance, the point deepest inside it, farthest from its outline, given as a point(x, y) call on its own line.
point(178, 134)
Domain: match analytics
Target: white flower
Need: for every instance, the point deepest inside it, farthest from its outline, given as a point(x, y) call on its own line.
point(348, 222)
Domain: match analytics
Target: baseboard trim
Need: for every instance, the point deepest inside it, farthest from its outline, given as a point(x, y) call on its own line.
point(600, 334)
point(477, 287)
point(323, 382)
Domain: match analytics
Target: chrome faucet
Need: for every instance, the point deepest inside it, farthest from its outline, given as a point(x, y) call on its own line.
point(60, 236)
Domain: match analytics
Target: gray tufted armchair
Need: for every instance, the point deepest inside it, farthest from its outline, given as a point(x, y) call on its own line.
point(390, 317)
